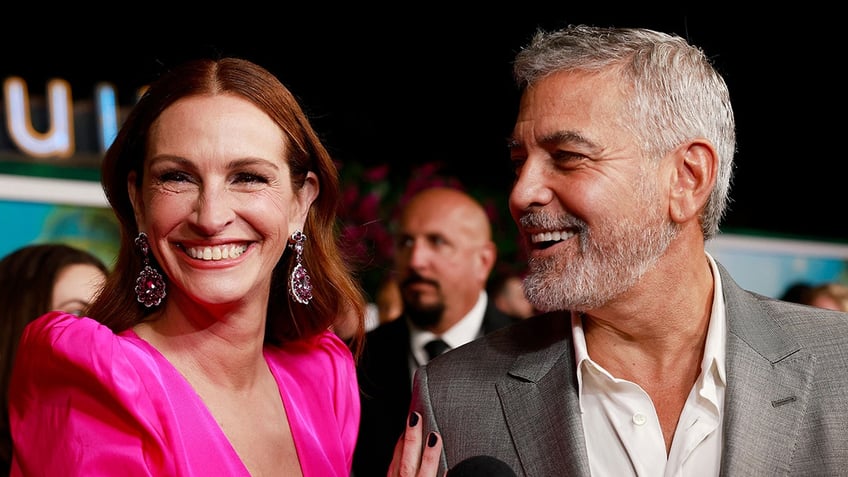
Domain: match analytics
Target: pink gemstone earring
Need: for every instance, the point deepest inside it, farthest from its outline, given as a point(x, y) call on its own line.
point(149, 286)
point(300, 286)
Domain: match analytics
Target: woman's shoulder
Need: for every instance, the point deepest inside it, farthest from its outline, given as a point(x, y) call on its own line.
point(77, 349)
point(57, 330)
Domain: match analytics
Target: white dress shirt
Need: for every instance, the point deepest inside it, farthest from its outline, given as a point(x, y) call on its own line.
point(623, 434)
point(468, 328)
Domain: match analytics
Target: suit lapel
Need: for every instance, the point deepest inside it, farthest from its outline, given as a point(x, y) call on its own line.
point(767, 393)
point(539, 397)
point(768, 378)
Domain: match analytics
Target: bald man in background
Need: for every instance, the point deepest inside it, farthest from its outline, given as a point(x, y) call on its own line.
point(444, 256)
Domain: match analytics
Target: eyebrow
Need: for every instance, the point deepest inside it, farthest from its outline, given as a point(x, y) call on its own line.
point(234, 164)
point(555, 138)
point(250, 161)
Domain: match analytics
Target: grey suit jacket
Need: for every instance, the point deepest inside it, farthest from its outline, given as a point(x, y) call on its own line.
point(512, 394)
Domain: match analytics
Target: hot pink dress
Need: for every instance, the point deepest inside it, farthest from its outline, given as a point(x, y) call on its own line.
point(84, 401)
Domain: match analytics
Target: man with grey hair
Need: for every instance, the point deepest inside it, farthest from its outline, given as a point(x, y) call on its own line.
point(649, 359)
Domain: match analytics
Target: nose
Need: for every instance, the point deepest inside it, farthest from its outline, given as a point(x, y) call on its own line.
point(213, 210)
point(530, 187)
point(414, 255)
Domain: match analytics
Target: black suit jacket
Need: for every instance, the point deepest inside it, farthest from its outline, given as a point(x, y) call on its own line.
point(385, 385)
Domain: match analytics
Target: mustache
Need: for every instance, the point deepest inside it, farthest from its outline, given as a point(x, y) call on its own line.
point(416, 278)
point(547, 221)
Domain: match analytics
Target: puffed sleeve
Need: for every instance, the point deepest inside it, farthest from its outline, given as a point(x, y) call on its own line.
point(75, 404)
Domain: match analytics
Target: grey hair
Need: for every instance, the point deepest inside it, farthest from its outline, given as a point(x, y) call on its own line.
point(677, 94)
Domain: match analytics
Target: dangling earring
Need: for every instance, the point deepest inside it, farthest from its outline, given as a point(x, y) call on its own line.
point(300, 286)
point(149, 286)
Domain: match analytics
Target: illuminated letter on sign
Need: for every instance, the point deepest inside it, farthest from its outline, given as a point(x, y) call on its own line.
point(58, 139)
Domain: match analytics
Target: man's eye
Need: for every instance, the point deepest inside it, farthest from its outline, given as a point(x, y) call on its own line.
point(567, 156)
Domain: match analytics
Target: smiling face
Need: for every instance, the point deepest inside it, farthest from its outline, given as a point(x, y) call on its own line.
point(216, 199)
point(590, 206)
point(444, 256)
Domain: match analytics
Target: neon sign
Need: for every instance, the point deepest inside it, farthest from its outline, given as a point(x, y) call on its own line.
point(55, 136)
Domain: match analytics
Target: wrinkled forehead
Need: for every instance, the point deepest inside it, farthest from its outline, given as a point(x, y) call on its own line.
point(573, 104)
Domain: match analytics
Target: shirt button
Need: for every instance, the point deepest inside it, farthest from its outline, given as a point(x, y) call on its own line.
point(639, 419)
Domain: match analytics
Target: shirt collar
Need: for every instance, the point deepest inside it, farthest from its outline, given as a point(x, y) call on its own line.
point(467, 329)
point(714, 348)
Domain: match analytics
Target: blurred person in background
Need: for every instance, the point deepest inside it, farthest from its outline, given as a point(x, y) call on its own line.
point(507, 292)
point(831, 295)
point(387, 304)
point(828, 295)
point(796, 292)
point(444, 255)
point(35, 279)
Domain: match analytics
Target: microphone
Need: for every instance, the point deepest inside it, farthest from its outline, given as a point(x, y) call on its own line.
point(481, 465)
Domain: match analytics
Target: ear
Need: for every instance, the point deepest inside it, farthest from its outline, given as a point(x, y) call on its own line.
point(304, 197)
point(488, 256)
point(693, 177)
point(135, 199)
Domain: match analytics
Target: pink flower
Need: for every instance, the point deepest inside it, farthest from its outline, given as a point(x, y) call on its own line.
point(376, 174)
point(369, 207)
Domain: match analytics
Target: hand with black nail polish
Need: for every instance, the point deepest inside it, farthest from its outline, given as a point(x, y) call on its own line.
point(412, 458)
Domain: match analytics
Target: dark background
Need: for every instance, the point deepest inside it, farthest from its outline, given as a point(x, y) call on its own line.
point(415, 82)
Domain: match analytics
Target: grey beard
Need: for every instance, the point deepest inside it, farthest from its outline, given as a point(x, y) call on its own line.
point(603, 269)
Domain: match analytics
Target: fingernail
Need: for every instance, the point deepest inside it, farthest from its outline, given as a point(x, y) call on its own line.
point(413, 419)
point(432, 439)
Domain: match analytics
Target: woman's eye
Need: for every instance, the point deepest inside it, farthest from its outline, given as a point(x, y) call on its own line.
point(174, 176)
point(250, 178)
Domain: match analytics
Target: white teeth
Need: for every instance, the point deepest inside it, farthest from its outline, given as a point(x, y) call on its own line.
point(218, 252)
point(551, 236)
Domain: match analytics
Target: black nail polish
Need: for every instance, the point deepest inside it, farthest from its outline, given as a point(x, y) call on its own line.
point(413, 419)
point(432, 439)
